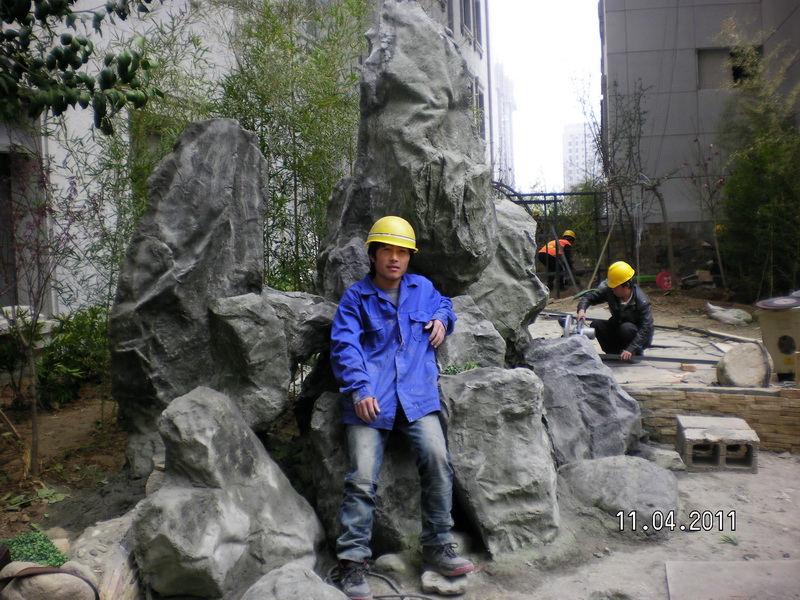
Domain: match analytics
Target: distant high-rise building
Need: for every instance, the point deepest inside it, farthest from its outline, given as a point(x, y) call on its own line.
point(503, 124)
point(580, 157)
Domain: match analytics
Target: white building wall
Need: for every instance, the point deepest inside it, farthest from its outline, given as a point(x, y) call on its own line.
point(658, 42)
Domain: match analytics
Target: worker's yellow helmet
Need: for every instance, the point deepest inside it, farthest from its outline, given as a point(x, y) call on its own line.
point(619, 273)
point(395, 231)
point(568, 233)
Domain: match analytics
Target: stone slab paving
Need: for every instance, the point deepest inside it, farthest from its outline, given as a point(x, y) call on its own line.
point(671, 343)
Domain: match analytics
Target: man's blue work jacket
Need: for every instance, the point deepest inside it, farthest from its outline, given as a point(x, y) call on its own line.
point(382, 351)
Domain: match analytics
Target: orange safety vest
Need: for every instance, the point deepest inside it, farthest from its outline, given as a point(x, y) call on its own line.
point(550, 247)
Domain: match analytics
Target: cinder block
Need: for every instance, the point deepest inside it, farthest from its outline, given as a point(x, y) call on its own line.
point(716, 443)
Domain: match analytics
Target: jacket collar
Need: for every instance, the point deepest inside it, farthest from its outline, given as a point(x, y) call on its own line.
point(370, 289)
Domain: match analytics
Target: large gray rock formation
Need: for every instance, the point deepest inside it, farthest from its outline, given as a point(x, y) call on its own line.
point(419, 157)
point(57, 586)
point(226, 522)
point(624, 483)
point(588, 414)
point(505, 477)
point(508, 291)
point(258, 341)
point(474, 342)
point(292, 581)
point(201, 239)
point(225, 514)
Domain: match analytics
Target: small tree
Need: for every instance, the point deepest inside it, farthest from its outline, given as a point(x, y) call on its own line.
point(45, 47)
point(706, 179)
point(618, 138)
point(762, 192)
point(295, 85)
point(37, 227)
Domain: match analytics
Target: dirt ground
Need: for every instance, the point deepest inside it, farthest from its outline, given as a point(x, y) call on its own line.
point(83, 452)
point(80, 448)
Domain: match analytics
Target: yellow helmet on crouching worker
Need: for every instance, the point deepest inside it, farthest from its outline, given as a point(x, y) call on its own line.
point(395, 231)
point(568, 233)
point(619, 273)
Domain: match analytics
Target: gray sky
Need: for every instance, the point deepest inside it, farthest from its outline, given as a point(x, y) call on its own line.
point(550, 49)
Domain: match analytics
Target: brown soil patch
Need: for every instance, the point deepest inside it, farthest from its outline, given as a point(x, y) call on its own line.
point(80, 447)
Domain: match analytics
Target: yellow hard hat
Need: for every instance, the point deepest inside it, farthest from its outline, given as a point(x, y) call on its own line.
point(393, 230)
point(619, 273)
point(568, 233)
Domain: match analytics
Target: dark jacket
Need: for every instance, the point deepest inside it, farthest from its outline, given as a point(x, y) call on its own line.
point(637, 312)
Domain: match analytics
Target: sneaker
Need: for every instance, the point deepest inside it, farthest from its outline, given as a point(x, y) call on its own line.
point(353, 579)
point(445, 560)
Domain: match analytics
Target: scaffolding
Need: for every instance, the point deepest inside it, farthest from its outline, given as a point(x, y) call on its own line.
point(544, 208)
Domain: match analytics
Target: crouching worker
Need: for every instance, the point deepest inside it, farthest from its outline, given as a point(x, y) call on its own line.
point(383, 339)
point(630, 329)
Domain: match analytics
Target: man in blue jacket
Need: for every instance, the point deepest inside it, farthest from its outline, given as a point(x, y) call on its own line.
point(384, 335)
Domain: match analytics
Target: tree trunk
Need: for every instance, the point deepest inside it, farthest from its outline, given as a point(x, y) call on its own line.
point(33, 395)
point(667, 235)
point(719, 257)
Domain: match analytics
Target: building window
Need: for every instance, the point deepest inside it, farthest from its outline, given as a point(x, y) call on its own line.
point(720, 67)
point(476, 20)
point(7, 270)
point(450, 19)
point(479, 106)
point(466, 18)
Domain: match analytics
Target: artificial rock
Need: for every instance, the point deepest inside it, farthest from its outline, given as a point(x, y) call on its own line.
point(588, 414)
point(55, 586)
point(624, 483)
point(258, 342)
point(508, 291)
point(504, 473)
point(225, 514)
point(293, 580)
point(251, 356)
point(200, 239)
point(474, 341)
point(419, 157)
point(746, 365)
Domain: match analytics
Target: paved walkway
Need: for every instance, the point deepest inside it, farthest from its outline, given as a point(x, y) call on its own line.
point(671, 343)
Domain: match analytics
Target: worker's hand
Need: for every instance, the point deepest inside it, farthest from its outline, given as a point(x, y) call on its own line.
point(438, 333)
point(581, 315)
point(367, 409)
point(625, 355)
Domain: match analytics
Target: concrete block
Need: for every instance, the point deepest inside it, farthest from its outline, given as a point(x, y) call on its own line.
point(716, 443)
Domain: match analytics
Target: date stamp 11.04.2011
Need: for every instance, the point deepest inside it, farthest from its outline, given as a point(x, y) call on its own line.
point(696, 520)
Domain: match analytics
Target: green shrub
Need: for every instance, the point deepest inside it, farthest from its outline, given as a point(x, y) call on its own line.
point(456, 369)
point(78, 352)
point(34, 547)
point(12, 361)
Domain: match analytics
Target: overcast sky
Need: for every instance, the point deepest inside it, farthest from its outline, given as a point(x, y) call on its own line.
point(549, 49)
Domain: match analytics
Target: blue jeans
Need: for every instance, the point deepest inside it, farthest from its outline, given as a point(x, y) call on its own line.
point(366, 446)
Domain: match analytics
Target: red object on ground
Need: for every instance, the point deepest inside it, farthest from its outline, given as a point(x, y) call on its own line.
point(664, 280)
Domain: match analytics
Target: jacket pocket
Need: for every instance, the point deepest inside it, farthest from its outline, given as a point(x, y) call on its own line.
point(375, 332)
point(417, 320)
